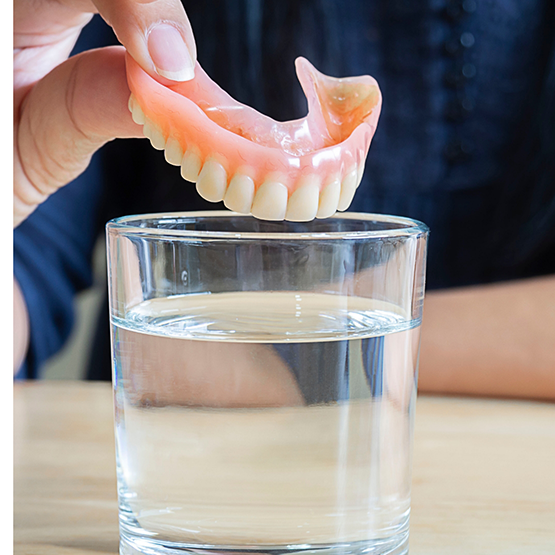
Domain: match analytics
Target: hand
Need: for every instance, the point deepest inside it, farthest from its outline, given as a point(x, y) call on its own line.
point(66, 109)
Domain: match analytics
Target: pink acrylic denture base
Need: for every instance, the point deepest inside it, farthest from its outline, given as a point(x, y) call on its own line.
point(199, 114)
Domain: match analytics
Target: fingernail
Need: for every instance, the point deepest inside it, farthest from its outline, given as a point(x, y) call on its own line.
point(170, 53)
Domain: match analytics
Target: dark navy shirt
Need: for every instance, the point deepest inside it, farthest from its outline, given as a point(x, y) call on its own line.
point(465, 143)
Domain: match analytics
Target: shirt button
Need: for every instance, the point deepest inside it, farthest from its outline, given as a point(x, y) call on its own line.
point(455, 10)
point(454, 46)
point(469, 6)
point(467, 40)
point(458, 151)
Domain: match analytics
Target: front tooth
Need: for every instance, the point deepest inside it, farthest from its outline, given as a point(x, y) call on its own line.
point(137, 114)
point(190, 165)
point(303, 203)
point(174, 152)
point(329, 199)
point(240, 194)
point(270, 201)
point(348, 188)
point(212, 181)
point(131, 102)
point(154, 133)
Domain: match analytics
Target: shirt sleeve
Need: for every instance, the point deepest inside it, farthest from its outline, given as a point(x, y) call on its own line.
point(52, 262)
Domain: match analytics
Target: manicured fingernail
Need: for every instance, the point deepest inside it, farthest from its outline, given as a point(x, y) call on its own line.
point(170, 53)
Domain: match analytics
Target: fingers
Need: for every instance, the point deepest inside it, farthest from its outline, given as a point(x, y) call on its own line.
point(67, 116)
point(156, 33)
point(82, 103)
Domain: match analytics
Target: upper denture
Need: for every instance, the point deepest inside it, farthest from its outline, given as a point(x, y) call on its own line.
point(247, 159)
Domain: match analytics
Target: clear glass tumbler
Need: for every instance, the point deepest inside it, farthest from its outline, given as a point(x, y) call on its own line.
point(264, 377)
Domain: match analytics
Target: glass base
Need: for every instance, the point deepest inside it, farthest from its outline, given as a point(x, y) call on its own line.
point(394, 545)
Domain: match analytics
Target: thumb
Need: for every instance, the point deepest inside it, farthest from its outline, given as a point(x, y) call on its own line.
point(156, 33)
point(66, 117)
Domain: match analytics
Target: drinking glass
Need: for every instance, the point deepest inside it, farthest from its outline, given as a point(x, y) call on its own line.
point(264, 380)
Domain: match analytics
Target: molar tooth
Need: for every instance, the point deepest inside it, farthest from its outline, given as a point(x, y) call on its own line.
point(190, 165)
point(240, 194)
point(329, 199)
point(137, 114)
point(174, 152)
point(154, 133)
point(303, 203)
point(270, 201)
point(212, 181)
point(348, 188)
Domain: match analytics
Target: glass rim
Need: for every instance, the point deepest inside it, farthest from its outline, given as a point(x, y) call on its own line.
point(408, 227)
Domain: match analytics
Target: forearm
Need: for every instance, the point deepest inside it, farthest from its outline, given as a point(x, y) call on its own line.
point(496, 340)
point(20, 326)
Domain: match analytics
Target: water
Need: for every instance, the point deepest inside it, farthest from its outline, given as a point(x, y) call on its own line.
point(264, 421)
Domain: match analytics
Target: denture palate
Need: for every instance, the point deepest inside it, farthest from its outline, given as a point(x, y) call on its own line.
point(294, 170)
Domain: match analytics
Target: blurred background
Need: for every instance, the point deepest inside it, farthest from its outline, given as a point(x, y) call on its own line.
point(71, 362)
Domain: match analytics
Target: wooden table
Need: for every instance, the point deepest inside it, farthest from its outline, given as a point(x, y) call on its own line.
point(484, 474)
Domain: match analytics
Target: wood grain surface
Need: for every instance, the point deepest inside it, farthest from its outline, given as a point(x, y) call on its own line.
point(483, 480)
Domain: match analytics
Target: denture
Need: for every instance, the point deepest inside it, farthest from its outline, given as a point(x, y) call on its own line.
point(294, 170)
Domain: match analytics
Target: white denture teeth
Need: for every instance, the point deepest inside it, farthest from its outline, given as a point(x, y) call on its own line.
point(137, 113)
point(190, 165)
point(270, 201)
point(212, 181)
point(303, 203)
point(264, 160)
point(329, 199)
point(173, 152)
point(154, 133)
point(348, 188)
point(131, 102)
point(240, 194)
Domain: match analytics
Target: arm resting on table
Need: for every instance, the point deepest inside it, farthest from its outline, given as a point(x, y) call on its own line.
point(494, 340)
